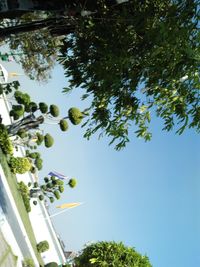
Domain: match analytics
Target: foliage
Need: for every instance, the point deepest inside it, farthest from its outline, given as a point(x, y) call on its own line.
point(41, 197)
point(40, 138)
point(19, 164)
point(51, 264)
point(22, 98)
point(72, 183)
point(48, 140)
point(17, 111)
point(28, 262)
point(134, 59)
point(106, 254)
point(24, 190)
point(54, 110)
point(63, 125)
point(43, 107)
point(8, 87)
point(75, 115)
point(38, 163)
point(35, 51)
point(5, 142)
point(42, 246)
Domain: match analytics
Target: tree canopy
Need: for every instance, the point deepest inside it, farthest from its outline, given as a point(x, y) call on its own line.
point(138, 58)
point(110, 254)
point(134, 59)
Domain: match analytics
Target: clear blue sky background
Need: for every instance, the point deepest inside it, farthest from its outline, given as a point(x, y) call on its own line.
point(147, 195)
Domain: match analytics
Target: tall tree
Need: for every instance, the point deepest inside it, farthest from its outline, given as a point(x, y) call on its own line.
point(107, 254)
point(36, 51)
point(136, 59)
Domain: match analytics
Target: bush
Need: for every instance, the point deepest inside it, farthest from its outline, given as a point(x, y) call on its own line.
point(63, 125)
point(28, 263)
point(75, 115)
point(19, 165)
point(24, 190)
point(42, 246)
point(35, 202)
point(51, 264)
point(43, 107)
point(48, 140)
point(54, 110)
point(5, 142)
point(72, 183)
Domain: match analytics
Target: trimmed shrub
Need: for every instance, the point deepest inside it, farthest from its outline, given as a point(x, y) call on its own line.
point(35, 185)
point(35, 202)
point(17, 110)
point(43, 107)
point(46, 179)
point(56, 194)
point(40, 138)
point(54, 110)
point(42, 246)
point(75, 115)
point(31, 107)
point(5, 142)
point(63, 125)
point(72, 183)
point(43, 187)
point(34, 155)
point(22, 133)
point(33, 170)
point(48, 140)
point(51, 264)
point(19, 165)
point(41, 197)
point(61, 189)
point(22, 98)
point(51, 199)
point(38, 163)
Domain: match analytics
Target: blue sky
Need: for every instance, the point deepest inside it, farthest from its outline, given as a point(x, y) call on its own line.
point(147, 195)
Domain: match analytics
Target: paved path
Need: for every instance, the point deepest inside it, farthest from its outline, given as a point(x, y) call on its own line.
point(7, 259)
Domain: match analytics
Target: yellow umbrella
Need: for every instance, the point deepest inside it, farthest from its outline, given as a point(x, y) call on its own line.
point(69, 205)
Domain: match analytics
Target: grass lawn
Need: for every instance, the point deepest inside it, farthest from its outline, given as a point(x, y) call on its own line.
point(12, 181)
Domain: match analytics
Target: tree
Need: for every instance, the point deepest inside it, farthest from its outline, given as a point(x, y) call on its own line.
point(51, 189)
point(139, 58)
point(134, 59)
point(106, 254)
point(29, 115)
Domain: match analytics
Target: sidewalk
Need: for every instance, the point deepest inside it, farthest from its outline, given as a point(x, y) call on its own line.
point(20, 223)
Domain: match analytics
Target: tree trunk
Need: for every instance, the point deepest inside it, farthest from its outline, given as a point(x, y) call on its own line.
point(27, 123)
point(56, 26)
